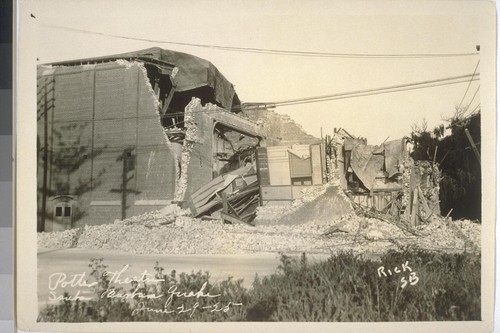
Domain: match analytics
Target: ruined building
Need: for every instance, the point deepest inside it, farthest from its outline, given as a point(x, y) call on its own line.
point(115, 138)
point(383, 180)
point(127, 134)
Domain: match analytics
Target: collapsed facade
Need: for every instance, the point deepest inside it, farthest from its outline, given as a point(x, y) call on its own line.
point(115, 138)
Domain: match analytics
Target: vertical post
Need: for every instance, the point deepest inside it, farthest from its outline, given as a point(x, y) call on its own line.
point(124, 185)
point(92, 139)
point(473, 146)
point(45, 157)
point(414, 207)
point(225, 207)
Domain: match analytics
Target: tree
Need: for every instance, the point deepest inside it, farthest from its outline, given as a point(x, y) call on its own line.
point(460, 187)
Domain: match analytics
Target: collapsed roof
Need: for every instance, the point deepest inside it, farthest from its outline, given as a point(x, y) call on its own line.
point(187, 72)
point(368, 161)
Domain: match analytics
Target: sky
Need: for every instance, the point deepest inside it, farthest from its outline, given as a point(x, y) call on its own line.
point(354, 27)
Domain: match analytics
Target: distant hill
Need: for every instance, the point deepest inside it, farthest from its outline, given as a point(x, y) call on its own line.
point(280, 130)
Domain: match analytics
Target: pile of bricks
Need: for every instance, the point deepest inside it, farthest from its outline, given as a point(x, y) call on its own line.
point(58, 240)
point(188, 235)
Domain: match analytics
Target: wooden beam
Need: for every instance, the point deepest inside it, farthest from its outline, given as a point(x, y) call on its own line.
point(232, 219)
point(225, 204)
point(253, 200)
point(428, 211)
point(168, 99)
point(414, 208)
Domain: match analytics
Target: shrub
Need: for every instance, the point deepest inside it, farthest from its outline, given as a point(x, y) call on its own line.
point(346, 287)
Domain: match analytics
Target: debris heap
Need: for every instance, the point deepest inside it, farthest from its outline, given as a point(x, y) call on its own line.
point(171, 231)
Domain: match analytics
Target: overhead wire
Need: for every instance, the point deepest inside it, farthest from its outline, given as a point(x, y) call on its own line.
point(472, 111)
point(375, 93)
point(478, 106)
point(269, 51)
point(468, 86)
point(473, 97)
point(366, 92)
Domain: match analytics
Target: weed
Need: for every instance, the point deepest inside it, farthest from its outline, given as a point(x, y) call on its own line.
point(343, 288)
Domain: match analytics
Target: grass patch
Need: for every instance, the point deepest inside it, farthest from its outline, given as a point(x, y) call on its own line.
point(345, 288)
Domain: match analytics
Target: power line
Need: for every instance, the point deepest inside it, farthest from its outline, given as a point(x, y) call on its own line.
point(424, 84)
point(271, 51)
point(468, 86)
point(473, 97)
point(477, 108)
point(376, 93)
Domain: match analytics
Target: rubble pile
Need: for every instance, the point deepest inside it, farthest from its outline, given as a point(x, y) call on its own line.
point(451, 236)
point(322, 202)
point(439, 235)
point(273, 214)
point(163, 216)
point(469, 229)
point(58, 239)
point(334, 228)
point(189, 235)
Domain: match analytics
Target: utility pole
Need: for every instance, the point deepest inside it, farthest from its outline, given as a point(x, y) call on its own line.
point(45, 157)
point(473, 145)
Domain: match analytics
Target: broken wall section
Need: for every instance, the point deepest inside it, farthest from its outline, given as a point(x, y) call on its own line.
point(279, 129)
point(202, 156)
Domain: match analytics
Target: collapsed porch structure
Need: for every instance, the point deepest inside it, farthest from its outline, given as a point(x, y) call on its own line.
point(122, 135)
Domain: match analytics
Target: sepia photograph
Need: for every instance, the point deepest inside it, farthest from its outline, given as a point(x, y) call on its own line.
point(249, 161)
